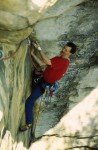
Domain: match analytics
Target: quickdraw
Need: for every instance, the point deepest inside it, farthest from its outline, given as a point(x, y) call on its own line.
point(49, 92)
point(46, 96)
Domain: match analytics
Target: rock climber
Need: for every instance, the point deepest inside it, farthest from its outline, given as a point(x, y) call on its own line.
point(54, 71)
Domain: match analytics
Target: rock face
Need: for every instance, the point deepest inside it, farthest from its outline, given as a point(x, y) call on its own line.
point(18, 17)
point(70, 120)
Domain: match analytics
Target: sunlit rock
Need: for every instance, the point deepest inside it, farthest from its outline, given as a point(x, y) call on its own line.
point(17, 18)
point(70, 120)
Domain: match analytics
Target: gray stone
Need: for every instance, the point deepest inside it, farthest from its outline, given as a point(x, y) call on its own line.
point(70, 120)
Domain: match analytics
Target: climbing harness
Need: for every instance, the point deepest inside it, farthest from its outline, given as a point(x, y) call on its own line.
point(37, 76)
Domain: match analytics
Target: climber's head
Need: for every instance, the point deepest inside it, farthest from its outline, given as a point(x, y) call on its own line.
point(68, 49)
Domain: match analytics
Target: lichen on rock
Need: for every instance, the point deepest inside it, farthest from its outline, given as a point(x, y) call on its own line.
point(70, 120)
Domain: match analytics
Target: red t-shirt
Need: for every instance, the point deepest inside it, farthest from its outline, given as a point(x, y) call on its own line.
point(57, 70)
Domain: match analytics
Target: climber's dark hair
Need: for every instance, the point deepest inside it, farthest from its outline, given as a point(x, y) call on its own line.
point(73, 47)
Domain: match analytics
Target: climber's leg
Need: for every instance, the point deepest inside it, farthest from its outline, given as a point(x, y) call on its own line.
point(37, 92)
point(30, 103)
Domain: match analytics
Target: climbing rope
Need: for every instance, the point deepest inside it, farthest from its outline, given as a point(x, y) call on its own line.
point(8, 57)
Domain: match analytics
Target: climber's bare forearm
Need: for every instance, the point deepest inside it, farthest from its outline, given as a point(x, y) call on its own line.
point(37, 60)
point(46, 60)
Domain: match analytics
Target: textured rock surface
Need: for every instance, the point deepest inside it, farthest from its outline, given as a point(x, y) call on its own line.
point(78, 128)
point(70, 120)
point(17, 18)
point(14, 88)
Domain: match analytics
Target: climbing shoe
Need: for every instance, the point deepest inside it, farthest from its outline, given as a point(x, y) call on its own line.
point(25, 127)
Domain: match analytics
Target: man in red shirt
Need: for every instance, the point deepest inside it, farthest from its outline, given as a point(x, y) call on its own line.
point(54, 71)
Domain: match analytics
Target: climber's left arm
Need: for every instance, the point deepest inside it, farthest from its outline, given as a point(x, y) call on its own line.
point(46, 60)
point(37, 60)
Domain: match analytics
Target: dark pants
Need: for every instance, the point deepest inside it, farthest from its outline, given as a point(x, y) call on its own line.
point(36, 93)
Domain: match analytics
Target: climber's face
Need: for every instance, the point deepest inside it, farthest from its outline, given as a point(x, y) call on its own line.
point(66, 51)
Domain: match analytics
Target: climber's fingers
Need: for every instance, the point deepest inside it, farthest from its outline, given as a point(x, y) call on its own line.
point(35, 45)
